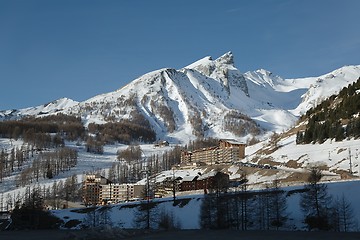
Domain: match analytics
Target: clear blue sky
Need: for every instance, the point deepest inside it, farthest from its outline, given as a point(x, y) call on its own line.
point(81, 48)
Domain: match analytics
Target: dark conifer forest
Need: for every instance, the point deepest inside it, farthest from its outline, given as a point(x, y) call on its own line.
point(335, 118)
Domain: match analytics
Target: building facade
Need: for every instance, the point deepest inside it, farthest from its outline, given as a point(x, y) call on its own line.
point(229, 150)
point(115, 193)
point(208, 181)
point(92, 187)
point(98, 190)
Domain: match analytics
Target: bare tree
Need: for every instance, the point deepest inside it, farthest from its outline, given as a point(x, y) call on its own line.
point(244, 198)
point(278, 206)
point(146, 215)
point(315, 202)
point(132, 153)
point(105, 215)
point(343, 219)
point(92, 218)
point(167, 220)
point(215, 207)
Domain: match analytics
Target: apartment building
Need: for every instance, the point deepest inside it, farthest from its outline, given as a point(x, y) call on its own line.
point(114, 193)
point(92, 187)
point(98, 190)
point(229, 150)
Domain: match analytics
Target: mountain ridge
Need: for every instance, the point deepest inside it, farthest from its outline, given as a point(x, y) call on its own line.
point(205, 99)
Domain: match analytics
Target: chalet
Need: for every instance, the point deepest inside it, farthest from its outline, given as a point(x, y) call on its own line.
point(206, 181)
point(162, 144)
point(167, 186)
point(189, 183)
point(213, 180)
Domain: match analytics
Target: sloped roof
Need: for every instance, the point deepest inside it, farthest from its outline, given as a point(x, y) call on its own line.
point(189, 178)
point(207, 175)
point(232, 141)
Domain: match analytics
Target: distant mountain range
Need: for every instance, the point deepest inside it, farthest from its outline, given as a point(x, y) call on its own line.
point(208, 98)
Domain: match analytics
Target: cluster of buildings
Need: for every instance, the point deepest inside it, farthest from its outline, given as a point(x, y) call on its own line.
point(98, 190)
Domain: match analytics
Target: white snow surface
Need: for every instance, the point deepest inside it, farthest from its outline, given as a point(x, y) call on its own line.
point(187, 215)
point(208, 89)
point(334, 155)
point(46, 109)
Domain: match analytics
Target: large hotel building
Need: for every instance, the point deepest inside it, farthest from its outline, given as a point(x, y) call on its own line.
point(228, 151)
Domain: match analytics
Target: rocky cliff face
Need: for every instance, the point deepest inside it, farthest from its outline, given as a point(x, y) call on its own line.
point(208, 98)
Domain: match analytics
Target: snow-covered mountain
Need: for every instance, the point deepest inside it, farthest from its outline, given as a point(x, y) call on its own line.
point(48, 108)
point(206, 98)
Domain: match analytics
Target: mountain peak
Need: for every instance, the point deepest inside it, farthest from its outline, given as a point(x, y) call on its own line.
point(264, 72)
point(201, 62)
point(227, 58)
point(187, 103)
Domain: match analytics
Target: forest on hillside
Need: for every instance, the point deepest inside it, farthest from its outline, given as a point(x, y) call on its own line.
point(338, 117)
point(51, 131)
point(130, 164)
point(43, 154)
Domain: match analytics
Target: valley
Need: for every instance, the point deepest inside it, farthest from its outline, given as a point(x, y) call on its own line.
point(51, 148)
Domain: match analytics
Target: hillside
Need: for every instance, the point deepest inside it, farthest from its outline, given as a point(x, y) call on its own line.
point(186, 103)
point(336, 117)
point(186, 210)
point(338, 159)
point(179, 106)
point(326, 136)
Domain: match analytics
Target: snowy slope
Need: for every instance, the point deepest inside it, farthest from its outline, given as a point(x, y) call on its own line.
point(199, 99)
point(48, 108)
point(206, 91)
point(187, 214)
point(299, 95)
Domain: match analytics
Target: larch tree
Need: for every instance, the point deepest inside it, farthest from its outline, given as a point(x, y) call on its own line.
point(315, 202)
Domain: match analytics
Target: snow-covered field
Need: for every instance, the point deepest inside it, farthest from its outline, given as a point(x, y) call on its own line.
point(188, 214)
point(86, 163)
point(333, 155)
